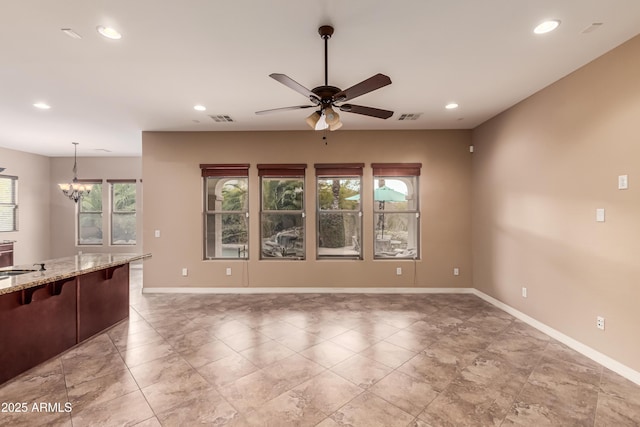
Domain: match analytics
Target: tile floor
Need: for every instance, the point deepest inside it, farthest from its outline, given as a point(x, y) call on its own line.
point(321, 360)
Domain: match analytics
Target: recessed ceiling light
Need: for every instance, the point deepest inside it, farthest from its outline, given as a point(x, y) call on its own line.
point(199, 107)
point(42, 105)
point(546, 26)
point(451, 106)
point(109, 32)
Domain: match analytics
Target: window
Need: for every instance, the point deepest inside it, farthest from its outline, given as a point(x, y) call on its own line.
point(339, 217)
point(123, 212)
point(90, 215)
point(396, 210)
point(8, 203)
point(282, 211)
point(226, 222)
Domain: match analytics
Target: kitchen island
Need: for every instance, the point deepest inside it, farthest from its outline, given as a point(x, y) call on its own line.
point(57, 304)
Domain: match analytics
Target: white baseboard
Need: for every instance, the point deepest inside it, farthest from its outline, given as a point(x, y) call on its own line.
point(243, 290)
point(592, 354)
point(589, 352)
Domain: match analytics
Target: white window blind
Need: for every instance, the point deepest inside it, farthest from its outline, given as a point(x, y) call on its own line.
point(8, 203)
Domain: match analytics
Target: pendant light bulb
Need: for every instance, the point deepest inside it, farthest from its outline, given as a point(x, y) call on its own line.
point(322, 123)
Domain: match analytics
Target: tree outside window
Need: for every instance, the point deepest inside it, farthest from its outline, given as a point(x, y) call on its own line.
point(339, 214)
point(227, 221)
point(90, 216)
point(123, 212)
point(282, 218)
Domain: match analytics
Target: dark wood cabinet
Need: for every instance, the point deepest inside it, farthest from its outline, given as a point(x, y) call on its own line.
point(42, 321)
point(36, 324)
point(6, 254)
point(103, 300)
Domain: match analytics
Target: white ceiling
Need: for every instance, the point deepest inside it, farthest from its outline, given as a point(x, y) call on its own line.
point(481, 54)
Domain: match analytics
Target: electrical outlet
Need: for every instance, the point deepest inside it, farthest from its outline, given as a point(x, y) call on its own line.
point(524, 292)
point(399, 271)
point(228, 271)
point(456, 271)
point(600, 322)
point(185, 272)
point(157, 233)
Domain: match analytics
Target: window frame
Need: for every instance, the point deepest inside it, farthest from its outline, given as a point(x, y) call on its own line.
point(325, 171)
point(113, 212)
point(14, 202)
point(398, 171)
point(283, 172)
point(224, 171)
point(79, 212)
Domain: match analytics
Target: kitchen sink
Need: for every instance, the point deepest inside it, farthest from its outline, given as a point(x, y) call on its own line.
point(15, 272)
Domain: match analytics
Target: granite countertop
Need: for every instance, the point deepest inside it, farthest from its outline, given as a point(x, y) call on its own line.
point(62, 268)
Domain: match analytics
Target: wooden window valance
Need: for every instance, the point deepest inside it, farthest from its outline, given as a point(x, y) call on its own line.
point(278, 170)
point(396, 169)
point(240, 169)
point(339, 169)
point(121, 181)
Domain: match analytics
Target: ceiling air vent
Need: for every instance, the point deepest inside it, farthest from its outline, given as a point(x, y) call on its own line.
point(409, 116)
point(219, 118)
point(592, 27)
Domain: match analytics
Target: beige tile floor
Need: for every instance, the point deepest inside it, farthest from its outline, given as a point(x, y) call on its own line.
point(321, 360)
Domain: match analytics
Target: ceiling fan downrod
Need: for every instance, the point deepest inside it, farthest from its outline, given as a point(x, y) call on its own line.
point(326, 31)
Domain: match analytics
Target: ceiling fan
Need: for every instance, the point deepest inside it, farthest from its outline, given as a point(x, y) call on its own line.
point(326, 97)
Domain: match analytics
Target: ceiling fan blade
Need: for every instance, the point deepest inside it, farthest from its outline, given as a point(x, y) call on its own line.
point(365, 86)
point(290, 83)
point(275, 110)
point(367, 111)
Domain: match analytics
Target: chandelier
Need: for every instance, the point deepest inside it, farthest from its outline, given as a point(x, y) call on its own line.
point(75, 190)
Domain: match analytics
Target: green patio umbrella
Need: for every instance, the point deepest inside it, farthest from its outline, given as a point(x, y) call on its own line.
point(383, 194)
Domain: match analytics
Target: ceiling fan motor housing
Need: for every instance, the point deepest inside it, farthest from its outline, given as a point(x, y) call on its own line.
point(325, 94)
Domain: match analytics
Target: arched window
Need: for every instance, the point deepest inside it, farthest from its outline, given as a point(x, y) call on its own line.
point(226, 216)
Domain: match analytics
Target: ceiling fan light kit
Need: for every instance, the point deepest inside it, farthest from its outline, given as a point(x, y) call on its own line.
point(327, 98)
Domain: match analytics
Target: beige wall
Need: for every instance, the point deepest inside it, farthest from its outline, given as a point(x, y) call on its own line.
point(32, 237)
point(540, 170)
point(63, 210)
point(173, 204)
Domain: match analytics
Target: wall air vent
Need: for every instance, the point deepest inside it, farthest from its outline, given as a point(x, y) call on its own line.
point(219, 118)
point(409, 116)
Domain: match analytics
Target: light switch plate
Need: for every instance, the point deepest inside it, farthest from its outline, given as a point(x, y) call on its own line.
point(600, 215)
point(623, 182)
